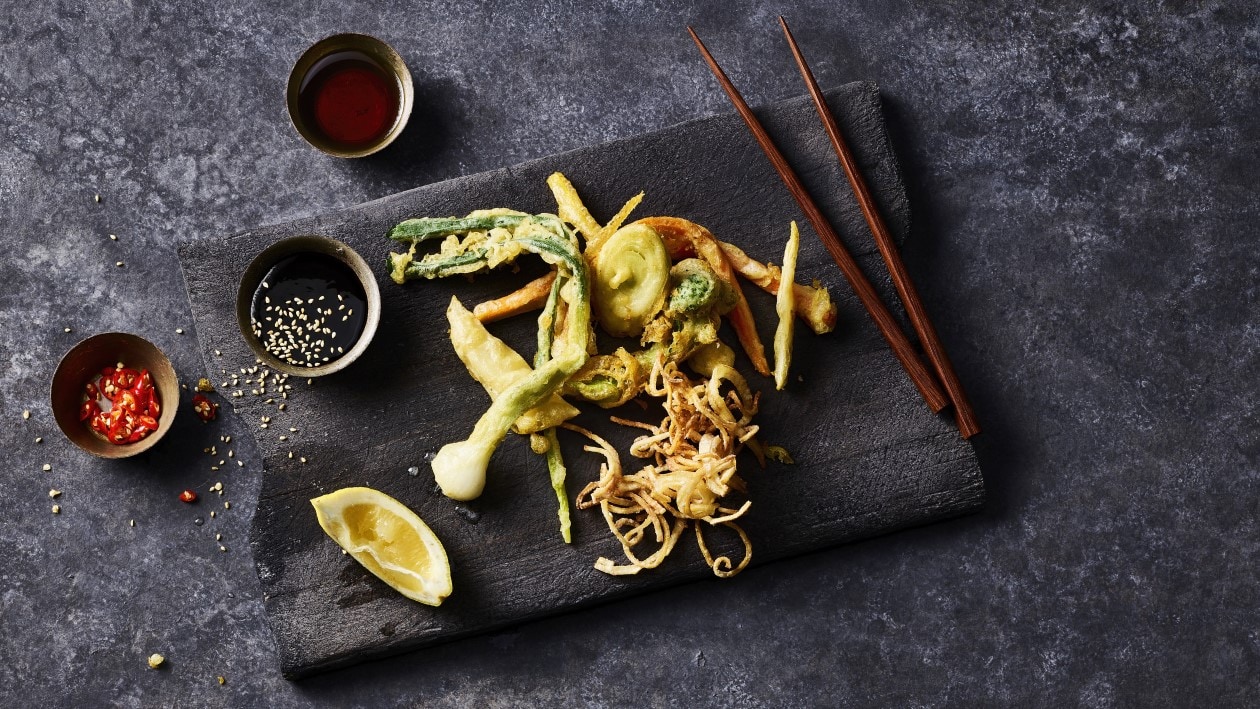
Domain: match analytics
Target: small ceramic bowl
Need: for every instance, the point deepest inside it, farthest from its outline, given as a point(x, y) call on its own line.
point(322, 57)
point(294, 246)
point(84, 362)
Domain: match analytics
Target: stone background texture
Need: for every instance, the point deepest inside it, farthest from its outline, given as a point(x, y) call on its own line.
point(1082, 178)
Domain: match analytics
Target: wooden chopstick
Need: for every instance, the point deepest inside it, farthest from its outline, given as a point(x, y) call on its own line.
point(919, 374)
point(963, 413)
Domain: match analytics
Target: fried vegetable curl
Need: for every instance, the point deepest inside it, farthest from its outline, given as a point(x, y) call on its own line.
point(692, 469)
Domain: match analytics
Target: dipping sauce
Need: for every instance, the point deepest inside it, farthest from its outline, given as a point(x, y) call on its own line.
point(350, 99)
point(309, 310)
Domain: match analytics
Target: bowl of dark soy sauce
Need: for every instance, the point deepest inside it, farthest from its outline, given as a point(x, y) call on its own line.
point(308, 305)
point(349, 95)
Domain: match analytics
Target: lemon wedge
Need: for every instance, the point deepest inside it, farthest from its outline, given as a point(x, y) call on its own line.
point(389, 540)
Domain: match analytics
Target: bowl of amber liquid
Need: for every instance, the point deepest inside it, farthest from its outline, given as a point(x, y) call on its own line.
point(349, 95)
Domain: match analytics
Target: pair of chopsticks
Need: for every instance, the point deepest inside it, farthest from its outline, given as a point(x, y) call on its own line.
point(923, 379)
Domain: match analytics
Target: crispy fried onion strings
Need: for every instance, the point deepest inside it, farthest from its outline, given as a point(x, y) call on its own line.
point(693, 452)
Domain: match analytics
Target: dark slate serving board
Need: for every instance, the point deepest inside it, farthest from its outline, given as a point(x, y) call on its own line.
point(870, 456)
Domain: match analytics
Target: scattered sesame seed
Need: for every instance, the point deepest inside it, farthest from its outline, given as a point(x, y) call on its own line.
point(240, 463)
point(222, 548)
point(39, 439)
point(227, 439)
point(284, 438)
point(26, 413)
point(290, 455)
point(67, 329)
point(231, 454)
point(227, 505)
point(56, 509)
point(212, 513)
point(155, 661)
point(217, 353)
point(47, 467)
point(222, 680)
point(96, 198)
point(113, 237)
point(179, 331)
point(54, 493)
point(218, 537)
point(132, 522)
point(119, 264)
point(282, 406)
point(302, 459)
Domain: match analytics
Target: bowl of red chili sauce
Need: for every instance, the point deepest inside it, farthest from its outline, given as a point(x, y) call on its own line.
point(350, 95)
point(115, 395)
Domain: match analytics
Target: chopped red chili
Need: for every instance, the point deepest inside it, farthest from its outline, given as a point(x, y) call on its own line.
point(133, 405)
point(205, 408)
point(188, 496)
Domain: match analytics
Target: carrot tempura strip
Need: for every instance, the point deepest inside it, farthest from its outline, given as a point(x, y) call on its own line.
point(813, 303)
point(684, 239)
point(529, 297)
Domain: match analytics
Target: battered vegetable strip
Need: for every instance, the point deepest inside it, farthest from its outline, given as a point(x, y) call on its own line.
point(489, 242)
point(682, 239)
point(569, 206)
point(460, 468)
point(813, 303)
point(557, 472)
point(596, 241)
point(497, 367)
point(785, 305)
point(528, 297)
point(556, 469)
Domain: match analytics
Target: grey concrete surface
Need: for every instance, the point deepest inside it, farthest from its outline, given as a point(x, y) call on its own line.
point(1083, 183)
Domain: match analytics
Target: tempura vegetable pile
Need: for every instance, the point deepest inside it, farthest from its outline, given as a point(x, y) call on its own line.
point(663, 280)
